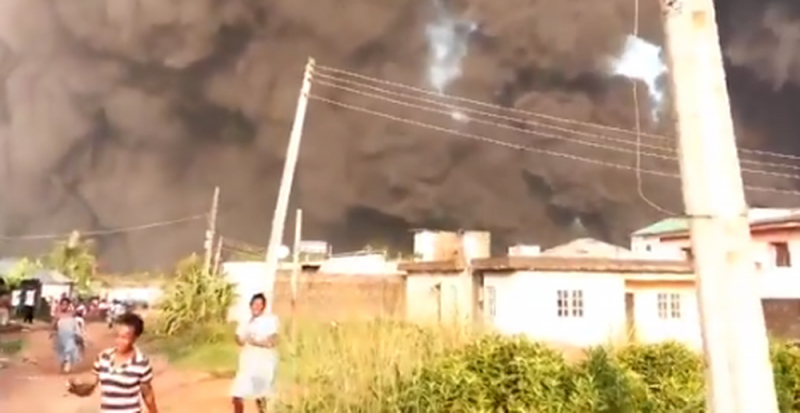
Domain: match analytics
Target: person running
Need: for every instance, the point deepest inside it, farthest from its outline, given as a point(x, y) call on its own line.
point(258, 357)
point(66, 330)
point(29, 306)
point(123, 373)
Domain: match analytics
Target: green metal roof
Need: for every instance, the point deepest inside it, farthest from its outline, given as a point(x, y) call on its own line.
point(665, 226)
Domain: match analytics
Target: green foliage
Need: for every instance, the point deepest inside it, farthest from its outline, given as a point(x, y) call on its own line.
point(195, 303)
point(74, 258)
point(498, 374)
point(786, 367)
point(22, 271)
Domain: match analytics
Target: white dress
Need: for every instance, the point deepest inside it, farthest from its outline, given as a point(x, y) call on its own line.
point(255, 377)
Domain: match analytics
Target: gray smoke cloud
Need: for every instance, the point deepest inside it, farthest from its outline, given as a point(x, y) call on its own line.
point(116, 113)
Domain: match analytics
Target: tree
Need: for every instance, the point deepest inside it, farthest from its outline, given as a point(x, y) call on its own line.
point(75, 259)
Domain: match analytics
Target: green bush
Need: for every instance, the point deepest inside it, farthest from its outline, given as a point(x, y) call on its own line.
point(195, 304)
point(500, 374)
point(786, 367)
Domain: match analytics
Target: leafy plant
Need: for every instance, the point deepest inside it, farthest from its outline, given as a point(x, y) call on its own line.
point(194, 302)
point(75, 259)
point(22, 270)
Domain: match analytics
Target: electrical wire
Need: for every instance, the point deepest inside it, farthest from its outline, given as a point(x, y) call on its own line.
point(671, 153)
point(322, 69)
point(476, 137)
point(638, 125)
point(114, 231)
point(448, 109)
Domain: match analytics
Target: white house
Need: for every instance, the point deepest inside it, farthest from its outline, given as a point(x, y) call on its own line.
point(579, 301)
point(54, 284)
point(586, 301)
point(775, 237)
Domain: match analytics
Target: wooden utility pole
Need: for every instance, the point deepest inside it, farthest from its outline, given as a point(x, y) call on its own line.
point(211, 232)
point(738, 373)
point(287, 179)
point(217, 262)
point(298, 238)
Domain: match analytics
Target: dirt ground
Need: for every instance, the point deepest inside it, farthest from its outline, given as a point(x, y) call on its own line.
point(32, 382)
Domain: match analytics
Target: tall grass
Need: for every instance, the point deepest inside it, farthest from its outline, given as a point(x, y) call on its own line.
point(325, 367)
point(334, 366)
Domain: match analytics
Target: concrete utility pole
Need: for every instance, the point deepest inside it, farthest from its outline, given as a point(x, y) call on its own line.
point(285, 189)
point(739, 373)
point(211, 232)
point(298, 239)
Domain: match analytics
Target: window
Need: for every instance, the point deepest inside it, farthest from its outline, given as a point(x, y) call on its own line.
point(489, 301)
point(570, 303)
point(781, 254)
point(688, 254)
point(669, 306)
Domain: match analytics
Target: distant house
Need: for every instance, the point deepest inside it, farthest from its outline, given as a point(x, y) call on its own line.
point(54, 284)
point(589, 247)
point(571, 300)
point(589, 292)
point(775, 238)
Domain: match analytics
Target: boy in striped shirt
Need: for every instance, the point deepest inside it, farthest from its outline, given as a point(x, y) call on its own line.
point(123, 373)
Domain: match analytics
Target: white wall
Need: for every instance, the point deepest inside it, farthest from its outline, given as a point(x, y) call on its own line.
point(56, 291)
point(248, 278)
point(430, 296)
point(526, 303)
point(147, 294)
point(652, 247)
point(650, 328)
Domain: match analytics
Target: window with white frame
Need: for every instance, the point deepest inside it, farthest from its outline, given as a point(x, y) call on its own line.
point(569, 303)
point(669, 306)
point(489, 301)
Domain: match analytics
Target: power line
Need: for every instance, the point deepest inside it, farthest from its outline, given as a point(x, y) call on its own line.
point(114, 231)
point(638, 123)
point(321, 69)
point(525, 148)
point(447, 109)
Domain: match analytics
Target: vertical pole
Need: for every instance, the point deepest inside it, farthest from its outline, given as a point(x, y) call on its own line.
point(298, 237)
point(285, 189)
point(218, 256)
point(738, 373)
point(211, 232)
point(296, 266)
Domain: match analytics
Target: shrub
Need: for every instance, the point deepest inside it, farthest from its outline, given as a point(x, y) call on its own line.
point(494, 374)
point(786, 368)
point(195, 304)
point(499, 374)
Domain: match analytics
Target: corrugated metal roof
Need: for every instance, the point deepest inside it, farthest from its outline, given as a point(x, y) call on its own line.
point(665, 226)
point(756, 216)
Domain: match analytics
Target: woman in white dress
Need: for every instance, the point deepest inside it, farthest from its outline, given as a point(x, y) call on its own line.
point(258, 357)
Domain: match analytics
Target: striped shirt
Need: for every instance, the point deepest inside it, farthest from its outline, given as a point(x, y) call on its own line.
point(121, 385)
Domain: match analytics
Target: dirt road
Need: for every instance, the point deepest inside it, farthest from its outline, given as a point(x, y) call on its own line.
point(33, 384)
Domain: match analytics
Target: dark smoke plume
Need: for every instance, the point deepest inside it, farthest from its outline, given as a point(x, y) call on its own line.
point(129, 111)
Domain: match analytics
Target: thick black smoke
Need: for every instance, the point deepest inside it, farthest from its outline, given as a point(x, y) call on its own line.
point(129, 111)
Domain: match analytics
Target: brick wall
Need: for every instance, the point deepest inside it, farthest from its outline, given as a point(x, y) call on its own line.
point(782, 317)
point(339, 297)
